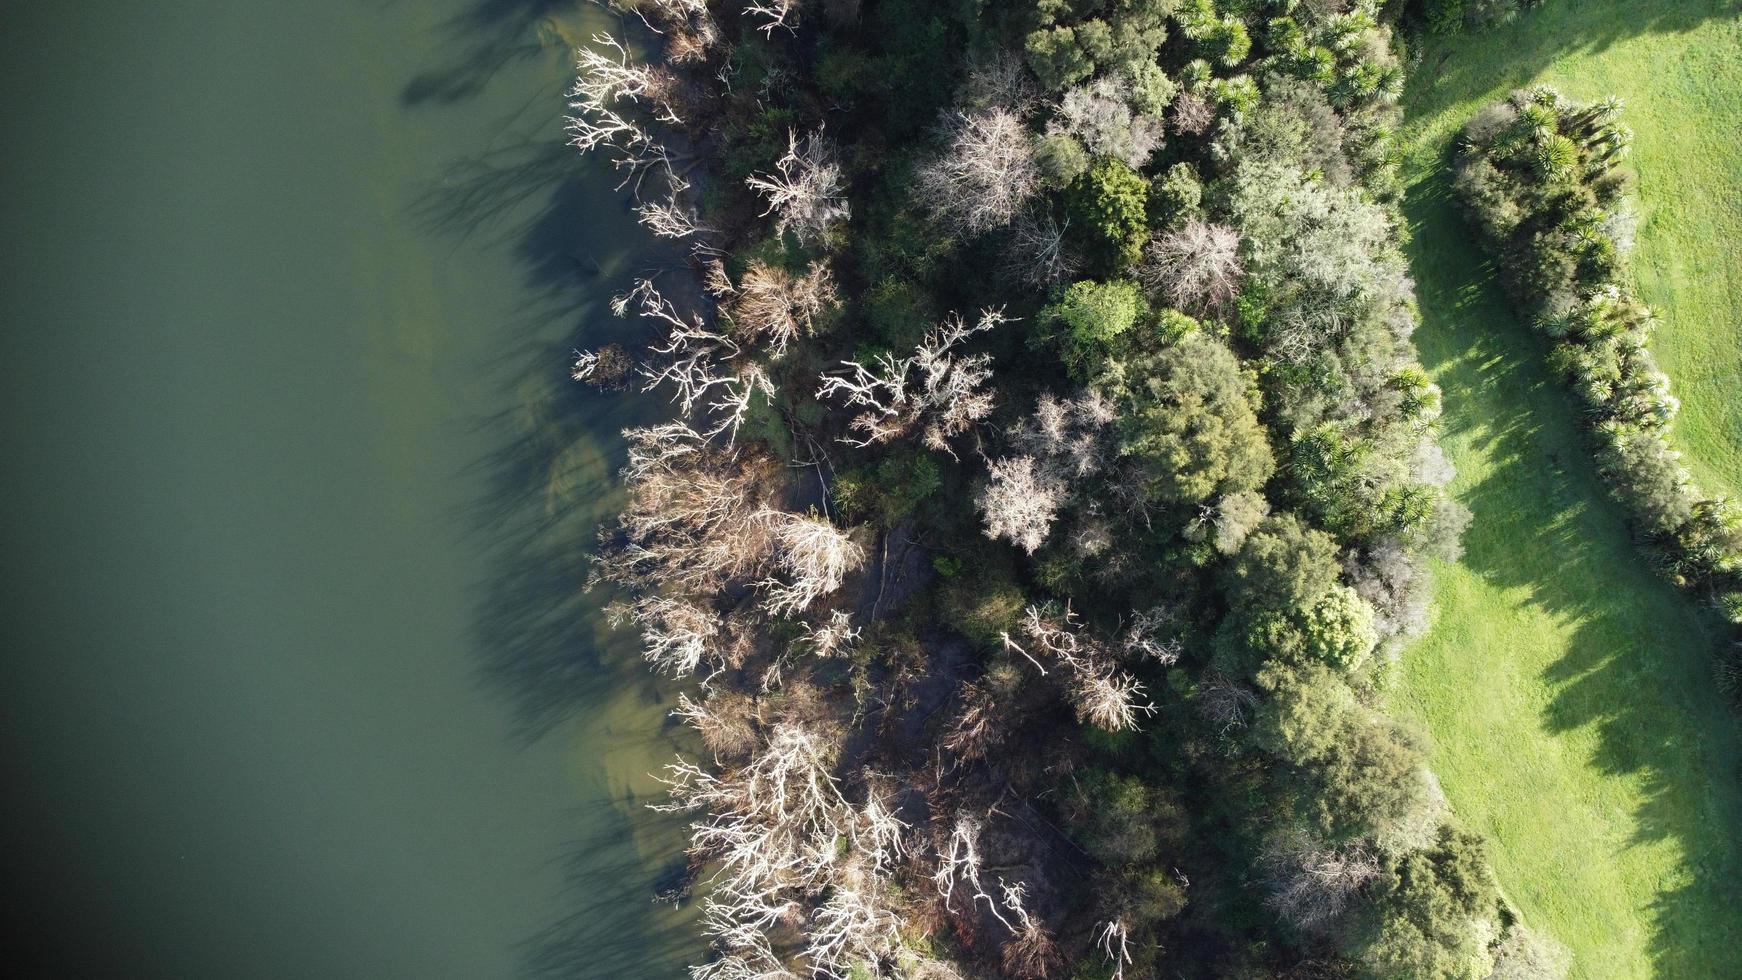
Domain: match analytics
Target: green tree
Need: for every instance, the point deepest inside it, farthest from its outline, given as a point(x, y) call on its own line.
point(1430, 915)
point(1284, 564)
point(1092, 319)
point(1107, 207)
point(1354, 773)
point(1190, 418)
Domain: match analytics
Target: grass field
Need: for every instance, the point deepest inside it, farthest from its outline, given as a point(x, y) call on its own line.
point(1566, 690)
point(1678, 65)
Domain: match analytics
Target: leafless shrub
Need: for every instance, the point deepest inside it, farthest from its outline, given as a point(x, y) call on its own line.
point(1038, 255)
point(1192, 114)
point(1114, 939)
point(1102, 694)
point(776, 307)
point(959, 861)
point(812, 558)
point(1031, 953)
point(1312, 883)
point(775, 14)
point(1225, 703)
point(977, 730)
point(689, 27)
point(723, 720)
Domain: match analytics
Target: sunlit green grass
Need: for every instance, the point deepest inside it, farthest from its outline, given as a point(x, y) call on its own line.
point(1566, 690)
point(1678, 66)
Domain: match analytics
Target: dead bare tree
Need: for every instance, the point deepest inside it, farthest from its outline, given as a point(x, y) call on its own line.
point(1196, 267)
point(985, 174)
point(679, 636)
point(614, 104)
point(1102, 694)
point(1020, 501)
point(937, 389)
point(688, 525)
point(674, 218)
point(1060, 442)
point(807, 190)
point(811, 558)
point(775, 307)
point(775, 15)
point(1192, 114)
point(1038, 254)
point(696, 361)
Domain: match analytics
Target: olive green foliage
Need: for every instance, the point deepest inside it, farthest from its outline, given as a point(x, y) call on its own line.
point(1107, 206)
point(1283, 563)
point(1074, 39)
point(984, 604)
point(1355, 773)
point(1174, 196)
point(1287, 604)
point(1429, 898)
point(889, 492)
point(1190, 417)
point(1135, 830)
point(1061, 159)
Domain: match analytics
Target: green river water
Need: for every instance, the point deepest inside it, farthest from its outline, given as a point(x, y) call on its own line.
point(298, 680)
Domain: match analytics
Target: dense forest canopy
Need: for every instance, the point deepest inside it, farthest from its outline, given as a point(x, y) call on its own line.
point(1052, 488)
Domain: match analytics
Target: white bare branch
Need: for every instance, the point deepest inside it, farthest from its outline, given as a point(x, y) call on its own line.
point(775, 14)
point(985, 174)
point(1196, 267)
point(937, 389)
point(807, 190)
point(1115, 940)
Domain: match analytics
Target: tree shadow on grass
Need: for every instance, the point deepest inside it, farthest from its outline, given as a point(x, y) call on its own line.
point(1537, 38)
point(1637, 667)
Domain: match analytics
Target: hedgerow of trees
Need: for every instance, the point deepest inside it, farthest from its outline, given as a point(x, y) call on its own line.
point(1540, 179)
point(1051, 489)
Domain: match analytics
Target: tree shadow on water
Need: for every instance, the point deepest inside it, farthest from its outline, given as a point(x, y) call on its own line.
point(490, 35)
point(548, 482)
point(1636, 669)
point(613, 929)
